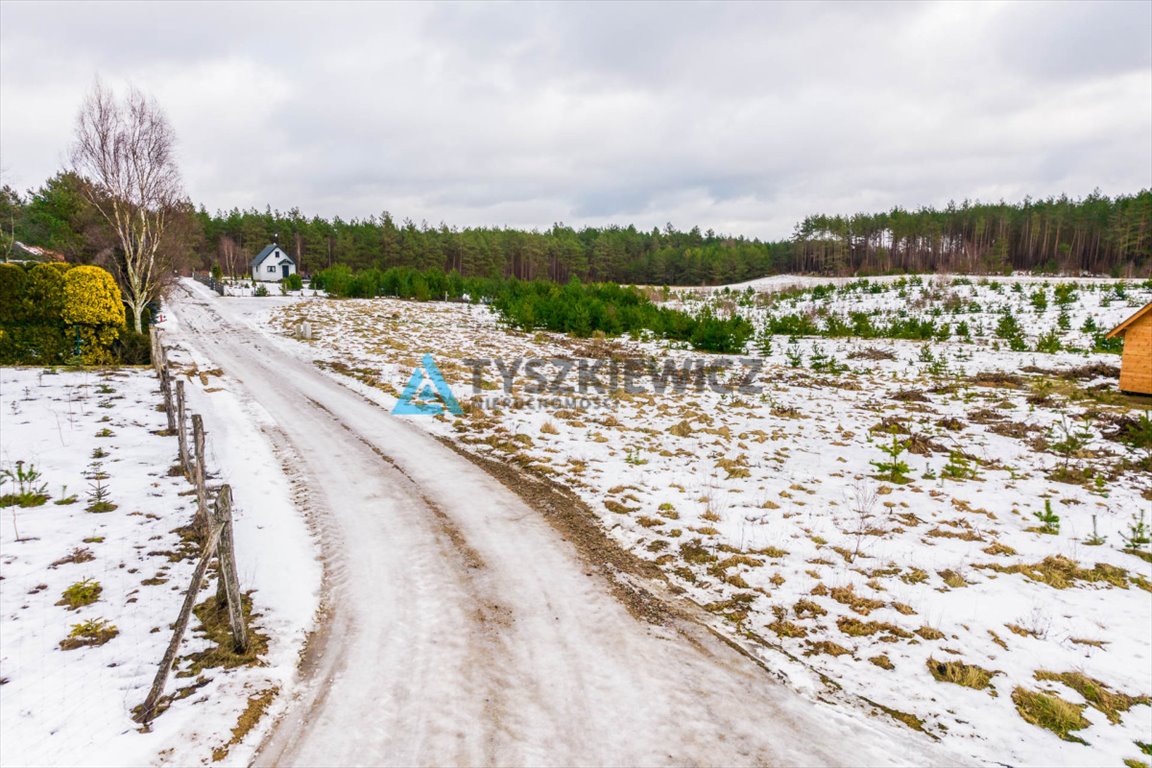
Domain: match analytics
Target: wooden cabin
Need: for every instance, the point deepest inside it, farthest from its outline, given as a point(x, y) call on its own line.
point(1136, 364)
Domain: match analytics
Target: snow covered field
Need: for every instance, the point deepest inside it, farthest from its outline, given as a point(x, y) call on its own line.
point(83, 429)
point(983, 587)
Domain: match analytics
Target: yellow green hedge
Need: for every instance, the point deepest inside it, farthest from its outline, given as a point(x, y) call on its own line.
point(51, 308)
point(91, 297)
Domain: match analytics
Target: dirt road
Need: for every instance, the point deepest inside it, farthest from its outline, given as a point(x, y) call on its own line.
point(463, 630)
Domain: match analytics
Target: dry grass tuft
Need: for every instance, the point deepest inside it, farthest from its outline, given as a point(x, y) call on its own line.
point(1051, 712)
point(952, 578)
point(1096, 693)
point(1086, 641)
point(930, 633)
point(966, 534)
point(1016, 629)
point(248, 719)
point(773, 552)
point(785, 628)
point(827, 648)
point(914, 576)
point(858, 628)
point(1060, 572)
point(621, 509)
point(967, 675)
point(908, 719)
point(861, 605)
point(805, 608)
point(735, 609)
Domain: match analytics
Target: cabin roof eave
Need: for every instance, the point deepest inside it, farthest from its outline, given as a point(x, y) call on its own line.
point(1128, 323)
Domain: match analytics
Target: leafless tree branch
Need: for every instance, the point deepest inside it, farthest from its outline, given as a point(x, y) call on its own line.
point(126, 149)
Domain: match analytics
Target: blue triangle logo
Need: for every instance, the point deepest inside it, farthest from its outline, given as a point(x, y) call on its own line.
point(427, 394)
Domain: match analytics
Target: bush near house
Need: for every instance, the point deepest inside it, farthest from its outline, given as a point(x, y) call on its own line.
point(56, 313)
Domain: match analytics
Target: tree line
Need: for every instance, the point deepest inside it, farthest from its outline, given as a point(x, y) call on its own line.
point(1096, 234)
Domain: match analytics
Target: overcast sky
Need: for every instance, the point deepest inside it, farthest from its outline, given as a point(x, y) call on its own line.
point(743, 118)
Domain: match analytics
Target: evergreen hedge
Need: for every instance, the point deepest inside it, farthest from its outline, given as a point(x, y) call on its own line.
point(57, 313)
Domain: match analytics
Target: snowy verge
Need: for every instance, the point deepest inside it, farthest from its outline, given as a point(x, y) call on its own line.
point(83, 429)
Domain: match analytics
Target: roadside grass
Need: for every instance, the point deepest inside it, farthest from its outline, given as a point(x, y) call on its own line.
point(248, 719)
point(213, 616)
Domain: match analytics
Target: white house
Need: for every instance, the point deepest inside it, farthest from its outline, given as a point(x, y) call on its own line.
point(272, 264)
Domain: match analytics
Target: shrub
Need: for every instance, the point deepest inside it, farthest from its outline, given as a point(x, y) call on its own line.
point(132, 348)
point(95, 310)
point(44, 297)
point(89, 633)
point(53, 311)
point(1049, 520)
point(895, 470)
point(80, 594)
point(293, 282)
point(28, 491)
point(12, 279)
point(91, 297)
point(1049, 342)
point(33, 330)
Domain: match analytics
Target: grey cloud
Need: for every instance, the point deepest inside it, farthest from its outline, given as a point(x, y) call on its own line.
point(743, 115)
point(1069, 41)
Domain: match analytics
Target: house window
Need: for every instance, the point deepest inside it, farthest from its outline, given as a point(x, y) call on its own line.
point(272, 268)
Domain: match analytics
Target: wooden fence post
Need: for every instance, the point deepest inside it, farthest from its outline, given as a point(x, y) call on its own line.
point(148, 708)
point(156, 363)
point(228, 588)
point(199, 474)
point(166, 386)
point(182, 429)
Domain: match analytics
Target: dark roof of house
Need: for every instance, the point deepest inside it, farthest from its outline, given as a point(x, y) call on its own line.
point(267, 250)
point(1119, 330)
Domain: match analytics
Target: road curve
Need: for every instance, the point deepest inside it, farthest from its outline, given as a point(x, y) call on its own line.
point(463, 630)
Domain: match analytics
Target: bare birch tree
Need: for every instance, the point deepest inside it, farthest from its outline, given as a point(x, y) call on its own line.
point(126, 150)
